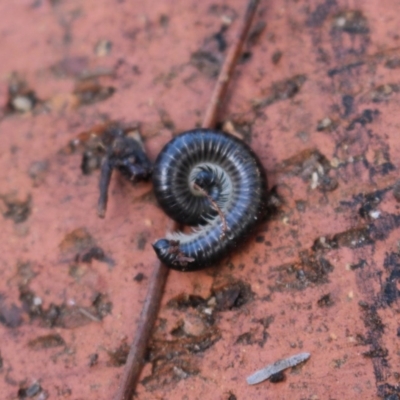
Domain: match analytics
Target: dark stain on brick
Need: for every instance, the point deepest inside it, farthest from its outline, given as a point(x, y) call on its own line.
point(344, 68)
point(310, 269)
point(305, 163)
point(94, 253)
point(11, 316)
point(376, 352)
point(387, 391)
point(366, 117)
point(278, 377)
point(360, 264)
point(348, 104)
point(351, 21)
point(169, 349)
point(282, 90)
point(46, 342)
point(258, 334)
point(90, 92)
point(396, 190)
point(362, 236)
point(77, 240)
point(139, 277)
point(232, 295)
point(184, 301)
point(118, 356)
point(369, 202)
point(170, 373)
point(21, 98)
point(30, 391)
point(16, 209)
point(102, 305)
point(382, 93)
point(325, 301)
point(62, 315)
point(322, 11)
point(390, 292)
point(393, 63)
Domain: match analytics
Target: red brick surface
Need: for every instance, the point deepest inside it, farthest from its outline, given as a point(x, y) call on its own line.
point(320, 276)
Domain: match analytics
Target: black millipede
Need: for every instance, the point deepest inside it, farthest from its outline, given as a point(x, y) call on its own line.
point(213, 181)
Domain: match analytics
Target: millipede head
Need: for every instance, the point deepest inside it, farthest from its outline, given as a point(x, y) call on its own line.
point(162, 248)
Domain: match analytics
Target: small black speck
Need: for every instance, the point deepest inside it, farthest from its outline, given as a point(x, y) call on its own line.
point(276, 57)
point(93, 359)
point(164, 20)
point(300, 205)
point(139, 277)
point(360, 264)
point(246, 56)
point(95, 253)
point(396, 190)
point(260, 239)
point(278, 377)
point(325, 301)
point(347, 102)
point(31, 391)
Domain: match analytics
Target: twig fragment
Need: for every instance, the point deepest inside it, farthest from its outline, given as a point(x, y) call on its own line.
point(224, 78)
point(278, 366)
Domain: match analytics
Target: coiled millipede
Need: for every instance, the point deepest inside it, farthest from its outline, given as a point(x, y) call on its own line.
point(215, 182)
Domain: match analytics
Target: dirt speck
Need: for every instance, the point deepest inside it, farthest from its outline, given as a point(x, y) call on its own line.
point(256, 32)
point(93, 359)
point(118, 356)
point(38, 171)
point(103, 48)
point(366, 117)
point(139, 277)
point(90, 91)
point(76, 241)
point(310, 269)
point(206, 62)
point(94, 253)
point(21, 98)
point(278, 377)
point(393, 63)
point(184, 301)
point(276, 57)
point(30, 391)
point(170, 373)
point(351, 21)
point(11, 316)
point(325, 301)
point(15, 208)
point(232, 295)
point(396, 190)
point(258, 333)
point(46, 342)
point(281, 90)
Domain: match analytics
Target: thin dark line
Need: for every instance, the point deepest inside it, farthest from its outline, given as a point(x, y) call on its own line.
point(135, 360)
point(225, 75)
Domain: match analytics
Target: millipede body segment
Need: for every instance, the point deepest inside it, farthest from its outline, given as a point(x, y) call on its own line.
point(213, 181)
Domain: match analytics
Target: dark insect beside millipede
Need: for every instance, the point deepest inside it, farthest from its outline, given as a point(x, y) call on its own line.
point(215, 182)
point(111, 146)
point(203, 178)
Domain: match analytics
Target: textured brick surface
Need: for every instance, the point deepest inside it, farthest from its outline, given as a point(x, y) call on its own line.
point(316, 95)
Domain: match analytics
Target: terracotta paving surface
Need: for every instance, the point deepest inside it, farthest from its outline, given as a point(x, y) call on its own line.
point(316, 95)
